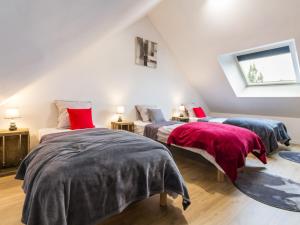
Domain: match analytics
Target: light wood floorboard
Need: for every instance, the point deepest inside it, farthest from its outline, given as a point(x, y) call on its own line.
point(213, 203)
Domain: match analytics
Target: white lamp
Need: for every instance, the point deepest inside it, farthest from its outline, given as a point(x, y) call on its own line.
point(120, 111)
point(12, 113)
point(181, 109)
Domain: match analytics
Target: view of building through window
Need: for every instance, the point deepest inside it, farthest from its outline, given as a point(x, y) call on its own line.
point(268, 67)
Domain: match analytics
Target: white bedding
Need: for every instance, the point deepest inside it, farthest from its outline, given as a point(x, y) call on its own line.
point(139, 127)
point(163, 134)
point(44, 131)
point(215, 120)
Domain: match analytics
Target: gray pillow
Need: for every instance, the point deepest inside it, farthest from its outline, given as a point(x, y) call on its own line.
point(143, 112)
point(156, 115)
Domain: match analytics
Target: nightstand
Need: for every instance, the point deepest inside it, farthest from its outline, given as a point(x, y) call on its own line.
point(180, 119)
point(14, 146)
point(124, 125)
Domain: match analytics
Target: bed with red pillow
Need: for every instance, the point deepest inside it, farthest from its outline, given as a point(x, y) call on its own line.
point(271, 132)
point(80, 176)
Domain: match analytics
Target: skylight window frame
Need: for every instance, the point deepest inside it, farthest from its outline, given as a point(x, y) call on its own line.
point(293, 50)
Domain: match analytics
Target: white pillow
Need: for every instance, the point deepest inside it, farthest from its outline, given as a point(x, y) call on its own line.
point(143, 111)
point(63, 116)
point(189, 109)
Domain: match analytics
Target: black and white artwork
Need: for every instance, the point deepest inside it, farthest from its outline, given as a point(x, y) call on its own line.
point(145, 52)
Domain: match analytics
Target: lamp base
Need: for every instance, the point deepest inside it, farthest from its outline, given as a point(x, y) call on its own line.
point(13, 126)
point(120, 119)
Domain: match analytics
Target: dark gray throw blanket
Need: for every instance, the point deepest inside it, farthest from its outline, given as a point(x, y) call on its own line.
point(82, 177)
point(151, 129)
point(270, 131)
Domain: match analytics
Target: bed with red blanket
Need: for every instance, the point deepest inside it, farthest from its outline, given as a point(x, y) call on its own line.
point(229, 145)
point(225, 146)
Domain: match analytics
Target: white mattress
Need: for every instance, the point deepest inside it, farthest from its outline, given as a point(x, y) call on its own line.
point(215, 120)
point(163, 134)
point(165, 131)
point(139, 127)
point(44, 131)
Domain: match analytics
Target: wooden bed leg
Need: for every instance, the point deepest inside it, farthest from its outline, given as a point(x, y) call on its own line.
point(220, 176)
point(163, 199)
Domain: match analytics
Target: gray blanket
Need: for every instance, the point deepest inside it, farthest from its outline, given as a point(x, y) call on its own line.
point(82, 177)
point(270, 131)
point(151, 129)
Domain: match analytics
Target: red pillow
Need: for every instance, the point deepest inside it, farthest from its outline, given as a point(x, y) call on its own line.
point(80, 118)
point(199, 112)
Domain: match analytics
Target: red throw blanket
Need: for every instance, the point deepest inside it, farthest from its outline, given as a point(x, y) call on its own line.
point(228, 144)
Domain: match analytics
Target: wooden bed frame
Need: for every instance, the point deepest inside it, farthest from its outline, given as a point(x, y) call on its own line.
point(220, 174)
point(163, 199)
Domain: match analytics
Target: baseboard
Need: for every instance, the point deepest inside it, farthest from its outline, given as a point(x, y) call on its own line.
point(8, 171)
point(295, 142)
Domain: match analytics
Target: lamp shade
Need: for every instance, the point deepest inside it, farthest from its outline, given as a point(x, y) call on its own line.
point(181, 108)
point(12, 113)
point(120, 109)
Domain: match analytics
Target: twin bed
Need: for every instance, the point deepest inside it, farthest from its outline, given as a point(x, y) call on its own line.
point(226, 147)
point(162, 136)
point(271, 132)
point(82, 177)
point(86, 175)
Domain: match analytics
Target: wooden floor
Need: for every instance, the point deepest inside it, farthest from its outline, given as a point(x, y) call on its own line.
point(213, 203)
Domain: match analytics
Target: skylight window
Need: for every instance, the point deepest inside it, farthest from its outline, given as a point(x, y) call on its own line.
point(271, 65)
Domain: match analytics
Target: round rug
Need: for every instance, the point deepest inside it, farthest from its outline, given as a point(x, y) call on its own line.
point(269, 189)
point(292, 156)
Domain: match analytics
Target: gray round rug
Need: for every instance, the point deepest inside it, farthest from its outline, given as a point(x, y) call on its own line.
point(292, 156)
point(269, 189)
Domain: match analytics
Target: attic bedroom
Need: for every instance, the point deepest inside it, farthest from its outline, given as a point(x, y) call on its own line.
point(149, 112)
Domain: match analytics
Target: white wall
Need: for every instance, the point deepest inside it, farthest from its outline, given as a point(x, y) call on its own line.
point(105, 73)
point(199, 31)
point(37, 36)
point(292, 124)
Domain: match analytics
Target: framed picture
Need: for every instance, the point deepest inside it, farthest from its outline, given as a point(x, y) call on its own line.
point(145, 52)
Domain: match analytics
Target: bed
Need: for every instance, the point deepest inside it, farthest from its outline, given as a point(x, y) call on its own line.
point(161, 132)
point(271, 132)
point(84, 176)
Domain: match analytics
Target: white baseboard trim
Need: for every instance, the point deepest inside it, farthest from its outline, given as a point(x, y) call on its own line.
point(295, 142)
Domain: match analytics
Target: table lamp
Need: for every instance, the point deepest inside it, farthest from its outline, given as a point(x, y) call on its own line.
point(12, 114)
point(120, 111)
point(181, 109)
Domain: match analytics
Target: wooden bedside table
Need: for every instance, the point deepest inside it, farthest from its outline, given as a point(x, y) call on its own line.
point(14, 146)
point(180, 119)
point(124, 125)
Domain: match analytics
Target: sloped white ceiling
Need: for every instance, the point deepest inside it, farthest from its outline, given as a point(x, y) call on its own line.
point(41, 34)
point(198, 31)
